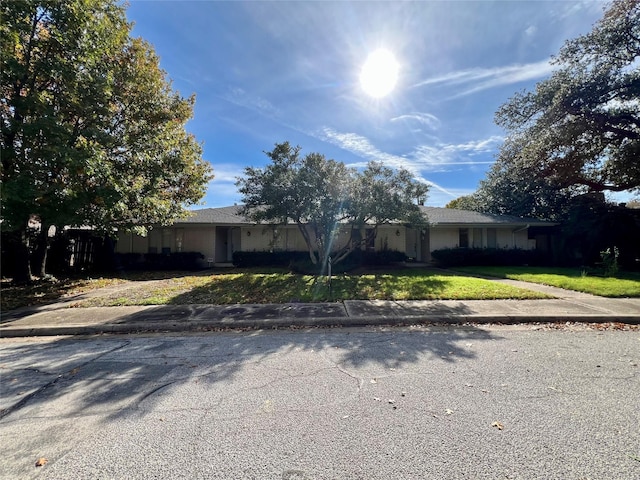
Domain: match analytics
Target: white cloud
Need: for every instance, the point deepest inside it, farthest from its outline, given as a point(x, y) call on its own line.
point(475, 147)
point(240, 97)
point(531, 31)
point(423, 158)
point(477, 79)
point(426, 119)
point(226, 172)
point(439, 197)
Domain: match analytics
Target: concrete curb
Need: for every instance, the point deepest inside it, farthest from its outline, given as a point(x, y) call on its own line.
point(310, 322)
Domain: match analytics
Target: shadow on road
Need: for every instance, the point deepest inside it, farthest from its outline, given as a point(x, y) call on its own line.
point(112, 374)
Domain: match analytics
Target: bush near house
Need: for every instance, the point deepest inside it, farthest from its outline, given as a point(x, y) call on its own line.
point(455, 257)
point(158, 261)
point(300, 262)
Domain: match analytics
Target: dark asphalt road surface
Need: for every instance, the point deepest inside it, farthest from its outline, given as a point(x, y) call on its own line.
point(509, 402)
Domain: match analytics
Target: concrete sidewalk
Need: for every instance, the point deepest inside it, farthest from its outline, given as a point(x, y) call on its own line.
point(62, 319)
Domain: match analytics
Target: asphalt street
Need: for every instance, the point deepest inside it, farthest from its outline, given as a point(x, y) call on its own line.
point(498, 402)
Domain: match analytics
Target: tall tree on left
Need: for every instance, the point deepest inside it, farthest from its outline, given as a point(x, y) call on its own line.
point(92, 132)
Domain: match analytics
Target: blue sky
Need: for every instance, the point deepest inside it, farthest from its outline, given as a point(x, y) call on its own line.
point(268, 72)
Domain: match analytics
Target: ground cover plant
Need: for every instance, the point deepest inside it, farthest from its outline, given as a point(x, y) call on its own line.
point(623, 284)
point(265, 286)
point(281, 286)
point(48, 291)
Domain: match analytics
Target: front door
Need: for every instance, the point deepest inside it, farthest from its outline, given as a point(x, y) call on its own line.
point(223, 241)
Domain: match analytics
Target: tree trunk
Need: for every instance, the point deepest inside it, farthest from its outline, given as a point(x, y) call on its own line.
point(43, 239)
point(23, 262)
point(305, 235)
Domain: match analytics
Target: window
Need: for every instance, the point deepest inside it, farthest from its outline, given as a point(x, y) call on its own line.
point(464, 238)
point(371, 239)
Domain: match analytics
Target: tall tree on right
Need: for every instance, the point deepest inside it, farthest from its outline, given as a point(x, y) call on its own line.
point(579, 131)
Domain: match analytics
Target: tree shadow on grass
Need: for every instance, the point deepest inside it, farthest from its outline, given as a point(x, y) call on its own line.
point(279, 287)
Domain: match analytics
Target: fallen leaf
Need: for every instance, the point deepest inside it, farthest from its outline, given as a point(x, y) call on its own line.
point(391, 401)
point(41, 462)
point(498, 425)
point(448, 411)
point(373, 380)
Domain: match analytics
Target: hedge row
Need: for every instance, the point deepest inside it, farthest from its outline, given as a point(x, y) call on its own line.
point(159, 261)
point(291, 259)
point(453, 257)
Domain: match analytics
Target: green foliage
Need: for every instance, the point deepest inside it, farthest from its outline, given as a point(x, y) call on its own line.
point(592, 225)
point(624, 285)
point(299, 261)
point(267, 259)
point(581, 126)
point(515, 186)
point(610, 261)
point(322, 196)
point(158, 261)
point(251, 286)
point(92, 132)
point(466, 202)
point(454, 257)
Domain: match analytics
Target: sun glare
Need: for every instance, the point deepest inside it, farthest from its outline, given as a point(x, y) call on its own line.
point(379, 73)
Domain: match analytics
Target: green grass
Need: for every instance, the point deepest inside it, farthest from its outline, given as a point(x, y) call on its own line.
point(253, 286)
point(48, 291)
point(625, 284)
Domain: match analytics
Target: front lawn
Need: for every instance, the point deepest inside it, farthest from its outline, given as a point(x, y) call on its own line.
point(48, 291)
point(625, 284)
point(255, 286)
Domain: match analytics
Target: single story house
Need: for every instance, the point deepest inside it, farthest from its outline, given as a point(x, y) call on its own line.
point(218, 232)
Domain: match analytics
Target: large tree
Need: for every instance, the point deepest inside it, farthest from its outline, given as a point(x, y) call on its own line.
point(580, 128)
point(323, 196)
point(515, 186)
point(92, 132)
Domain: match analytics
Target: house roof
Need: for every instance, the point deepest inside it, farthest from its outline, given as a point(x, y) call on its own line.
point(452, 216)
point(436, 216)
point(221, 215)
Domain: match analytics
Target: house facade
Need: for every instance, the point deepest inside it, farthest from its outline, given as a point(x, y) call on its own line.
point(219, 232)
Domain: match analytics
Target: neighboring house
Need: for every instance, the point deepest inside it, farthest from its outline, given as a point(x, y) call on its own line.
point(218, 232)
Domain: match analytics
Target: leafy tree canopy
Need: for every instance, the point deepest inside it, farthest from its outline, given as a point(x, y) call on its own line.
point(465, 202)
point(581, 126)
point(320, 195)
point(92, 132)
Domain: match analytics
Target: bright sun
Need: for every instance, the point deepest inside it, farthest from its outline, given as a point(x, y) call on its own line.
point(379, 73)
